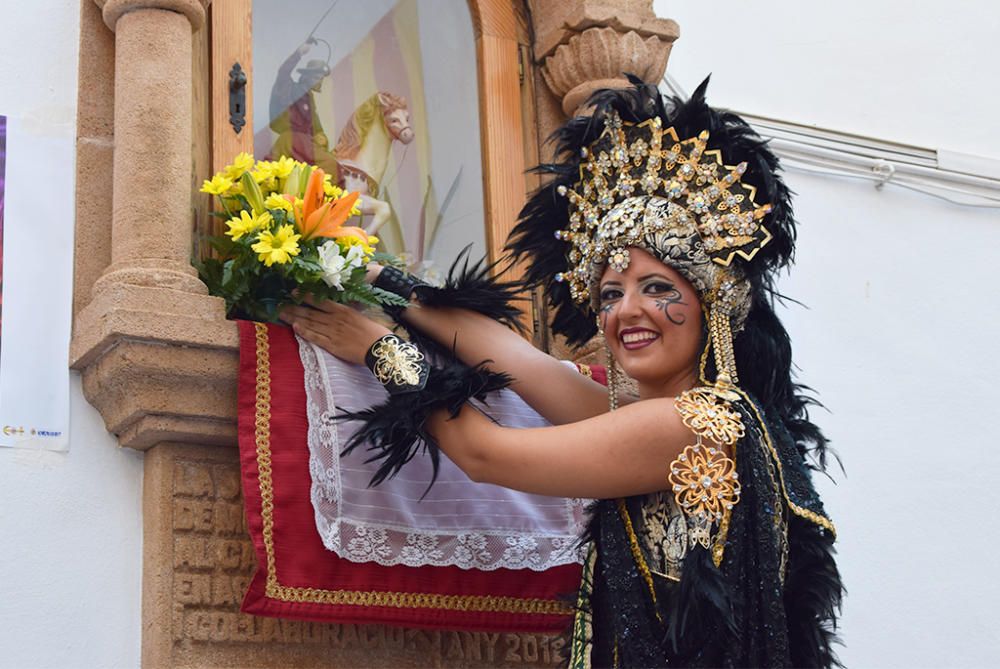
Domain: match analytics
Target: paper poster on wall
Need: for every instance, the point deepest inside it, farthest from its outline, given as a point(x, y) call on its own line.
point(36, 239)
point(3, 161)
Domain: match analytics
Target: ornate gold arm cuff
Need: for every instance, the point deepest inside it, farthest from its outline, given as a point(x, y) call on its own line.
point(397, 364)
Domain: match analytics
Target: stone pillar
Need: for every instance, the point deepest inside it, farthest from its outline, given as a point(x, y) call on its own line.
point(149, 295)
point(151, 236)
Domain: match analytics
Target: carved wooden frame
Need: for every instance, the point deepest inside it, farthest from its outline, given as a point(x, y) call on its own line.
point(501, 40)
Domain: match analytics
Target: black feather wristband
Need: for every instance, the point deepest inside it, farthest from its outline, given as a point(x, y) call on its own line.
point(396, 430)
point(398, 365)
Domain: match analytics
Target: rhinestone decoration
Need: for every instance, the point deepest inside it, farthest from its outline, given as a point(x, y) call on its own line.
point(710, 416)
point(705, 486)
point(397, 362)
point(703, 478)
point(640, 182)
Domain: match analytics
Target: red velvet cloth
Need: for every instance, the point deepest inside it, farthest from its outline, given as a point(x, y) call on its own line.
point(297, 577)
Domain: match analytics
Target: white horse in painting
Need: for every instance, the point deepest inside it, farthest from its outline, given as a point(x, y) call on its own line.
point(363, 151)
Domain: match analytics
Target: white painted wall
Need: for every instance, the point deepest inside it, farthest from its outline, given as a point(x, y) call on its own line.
point(922, 74)
point(900, 332)
point(71, 523)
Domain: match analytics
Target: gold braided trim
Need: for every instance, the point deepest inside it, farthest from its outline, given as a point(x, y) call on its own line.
point(633, 542)
point(582, 622)
point(400, 600)
point(812, 516)
point(719, 547)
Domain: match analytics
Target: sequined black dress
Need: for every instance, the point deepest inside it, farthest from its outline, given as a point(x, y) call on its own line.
point(651, 600)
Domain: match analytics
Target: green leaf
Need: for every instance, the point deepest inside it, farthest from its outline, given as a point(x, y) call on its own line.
point(388, 260)
point(389, 299)
point(224, 245)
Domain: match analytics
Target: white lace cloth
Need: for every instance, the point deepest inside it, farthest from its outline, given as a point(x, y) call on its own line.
point(459, 522)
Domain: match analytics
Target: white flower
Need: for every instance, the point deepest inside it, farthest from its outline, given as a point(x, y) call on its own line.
point(355, 256)
point(333, 264)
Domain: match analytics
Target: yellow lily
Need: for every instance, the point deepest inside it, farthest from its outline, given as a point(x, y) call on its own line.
point(316, 218)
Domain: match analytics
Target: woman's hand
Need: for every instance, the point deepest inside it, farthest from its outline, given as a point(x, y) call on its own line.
point(338, 329)
point(374, 269)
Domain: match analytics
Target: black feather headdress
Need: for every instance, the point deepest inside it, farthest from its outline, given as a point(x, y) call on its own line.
point(535, 240)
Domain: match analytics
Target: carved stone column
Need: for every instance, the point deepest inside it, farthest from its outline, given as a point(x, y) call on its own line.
point(150, 294)
point(586, 45)
point(151, 245)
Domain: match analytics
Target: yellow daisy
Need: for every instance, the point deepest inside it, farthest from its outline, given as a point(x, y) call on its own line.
point(277, 247)
point(332, 190)
point(241, 163)
point(283, 167)
point(246, 223)
point(263, 174)
point(278, 201)
point(218, 185)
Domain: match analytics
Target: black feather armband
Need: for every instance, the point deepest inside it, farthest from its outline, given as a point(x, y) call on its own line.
point(470, 286)
point(396, 430)
point(396, 281)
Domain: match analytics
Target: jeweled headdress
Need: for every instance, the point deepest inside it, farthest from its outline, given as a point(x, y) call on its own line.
point(641, 185)
point(695, 186)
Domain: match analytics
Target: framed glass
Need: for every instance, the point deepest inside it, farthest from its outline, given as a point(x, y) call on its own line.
point(382, 95)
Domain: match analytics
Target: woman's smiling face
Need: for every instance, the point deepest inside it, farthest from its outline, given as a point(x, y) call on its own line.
point(652, 321)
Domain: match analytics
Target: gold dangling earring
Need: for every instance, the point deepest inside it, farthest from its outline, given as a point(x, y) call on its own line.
point(721, 334)
point(612, 379)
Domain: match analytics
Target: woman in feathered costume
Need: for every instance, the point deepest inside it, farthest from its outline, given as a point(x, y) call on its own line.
point(662, 228)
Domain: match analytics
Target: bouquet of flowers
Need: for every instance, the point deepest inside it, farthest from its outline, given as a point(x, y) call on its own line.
point(286, 240)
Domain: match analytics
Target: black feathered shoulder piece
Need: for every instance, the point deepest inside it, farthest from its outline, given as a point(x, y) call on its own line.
point(695, 186)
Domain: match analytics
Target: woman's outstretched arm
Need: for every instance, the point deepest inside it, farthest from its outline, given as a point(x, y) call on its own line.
point(627, 452)
point(555, 390)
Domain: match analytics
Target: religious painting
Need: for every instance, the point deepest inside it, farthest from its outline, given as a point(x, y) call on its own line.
point(382, 95)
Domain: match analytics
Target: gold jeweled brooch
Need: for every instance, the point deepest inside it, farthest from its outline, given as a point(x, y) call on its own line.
point(703, 478)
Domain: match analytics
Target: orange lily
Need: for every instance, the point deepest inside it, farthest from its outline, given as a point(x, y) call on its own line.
point(316, 218)
point(351, 231)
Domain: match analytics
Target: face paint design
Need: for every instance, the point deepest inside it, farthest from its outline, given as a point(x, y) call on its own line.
point(603, 315)
point(668, 299)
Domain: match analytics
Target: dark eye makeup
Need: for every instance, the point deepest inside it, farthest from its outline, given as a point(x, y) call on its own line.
point(610, 293)
point(659, 287)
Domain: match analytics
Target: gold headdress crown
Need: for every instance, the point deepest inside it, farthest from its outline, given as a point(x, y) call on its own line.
point(641, 185)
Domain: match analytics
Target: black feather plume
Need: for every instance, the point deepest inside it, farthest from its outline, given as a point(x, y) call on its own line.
point(813, 596)
point(474, 287)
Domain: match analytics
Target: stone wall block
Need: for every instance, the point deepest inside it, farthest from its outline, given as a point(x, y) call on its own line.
point(192, 387)
point(92, 240)
point(198, 563)
point(599, 58)
point(94, 153)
